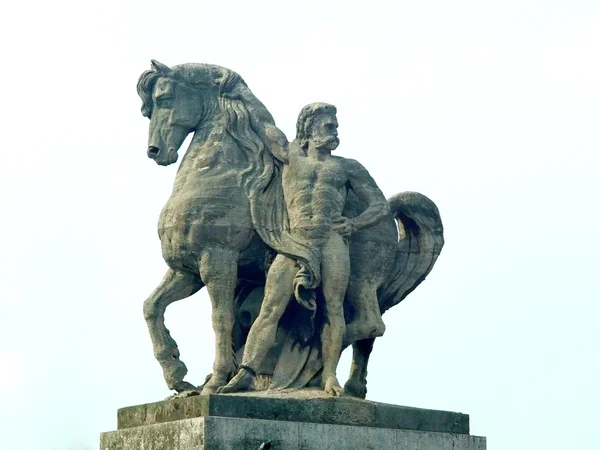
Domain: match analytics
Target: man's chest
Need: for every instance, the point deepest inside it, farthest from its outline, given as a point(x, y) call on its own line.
point(330, 172)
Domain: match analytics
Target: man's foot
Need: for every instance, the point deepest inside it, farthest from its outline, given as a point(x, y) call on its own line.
point(241, 382)
point(332, 387)
point(214, 383)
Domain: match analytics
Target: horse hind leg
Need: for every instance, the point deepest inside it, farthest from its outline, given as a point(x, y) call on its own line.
point(366, 321)
point(176, 285)
point(356, 386)
point(218, 270)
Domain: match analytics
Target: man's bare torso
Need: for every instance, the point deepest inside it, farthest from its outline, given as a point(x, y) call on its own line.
point(315, 192)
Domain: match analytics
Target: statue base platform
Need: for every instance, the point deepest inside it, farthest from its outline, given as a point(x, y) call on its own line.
point(303, 420)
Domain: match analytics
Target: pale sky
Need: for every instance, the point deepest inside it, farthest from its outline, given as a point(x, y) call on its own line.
point(491, 109)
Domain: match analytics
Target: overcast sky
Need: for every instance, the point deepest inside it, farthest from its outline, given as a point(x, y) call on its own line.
point(492, 109)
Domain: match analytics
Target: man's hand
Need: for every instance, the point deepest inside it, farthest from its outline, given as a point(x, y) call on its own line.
point(344, 226)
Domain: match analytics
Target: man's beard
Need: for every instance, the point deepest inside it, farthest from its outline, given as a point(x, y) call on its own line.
point(331, 143)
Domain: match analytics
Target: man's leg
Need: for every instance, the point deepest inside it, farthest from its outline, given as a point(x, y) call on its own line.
point(278, 291)
point(335, 269)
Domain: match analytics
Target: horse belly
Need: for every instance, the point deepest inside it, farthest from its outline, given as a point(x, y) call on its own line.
point(373, 251)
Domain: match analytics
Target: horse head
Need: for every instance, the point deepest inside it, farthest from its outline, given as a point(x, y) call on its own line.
point(177, 101)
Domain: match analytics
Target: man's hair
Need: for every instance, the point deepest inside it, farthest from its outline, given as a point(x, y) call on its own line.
point(307, 116)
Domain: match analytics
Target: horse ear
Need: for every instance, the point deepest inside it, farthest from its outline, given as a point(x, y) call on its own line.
point(160, 67)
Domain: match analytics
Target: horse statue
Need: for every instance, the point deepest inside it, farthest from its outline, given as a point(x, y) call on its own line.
point(214, 229)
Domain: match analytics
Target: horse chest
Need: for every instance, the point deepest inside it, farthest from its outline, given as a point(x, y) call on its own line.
point(205, 214)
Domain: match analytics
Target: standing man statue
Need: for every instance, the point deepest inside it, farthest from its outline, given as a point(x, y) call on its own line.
point(315, 187)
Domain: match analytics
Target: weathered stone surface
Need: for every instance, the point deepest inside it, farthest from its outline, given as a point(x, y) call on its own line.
point(234, 433)
point(177, 435)
point(222, 433)
point(328, 410)
point(417, 440)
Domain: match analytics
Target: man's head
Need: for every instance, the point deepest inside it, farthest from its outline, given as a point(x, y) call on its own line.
point(317, 124)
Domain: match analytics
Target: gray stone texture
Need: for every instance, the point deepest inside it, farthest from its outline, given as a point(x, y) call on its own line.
point(178, 435)
point(226, 433)
point(329, 410)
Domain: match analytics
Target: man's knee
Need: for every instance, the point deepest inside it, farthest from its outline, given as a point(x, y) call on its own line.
point(334, 290)
point(282, 267)
point(334, 308)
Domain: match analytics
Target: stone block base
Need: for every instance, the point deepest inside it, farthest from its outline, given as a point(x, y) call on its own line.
point(312, 406)
point(299, 420)
point(230, 433)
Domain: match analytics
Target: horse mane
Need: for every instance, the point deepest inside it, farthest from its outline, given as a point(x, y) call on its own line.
point(246, 116)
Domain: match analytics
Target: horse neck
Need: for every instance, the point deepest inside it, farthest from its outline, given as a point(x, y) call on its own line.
point(211, 152)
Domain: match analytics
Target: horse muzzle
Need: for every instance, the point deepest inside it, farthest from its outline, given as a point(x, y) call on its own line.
point(157, 155)
point(153, 152)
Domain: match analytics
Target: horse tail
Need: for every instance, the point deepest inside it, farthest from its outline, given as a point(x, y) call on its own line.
point(420, 243)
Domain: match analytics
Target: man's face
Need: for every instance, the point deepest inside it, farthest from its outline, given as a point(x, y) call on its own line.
point(323, 134)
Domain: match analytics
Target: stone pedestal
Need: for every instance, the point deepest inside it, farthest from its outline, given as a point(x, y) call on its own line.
point(240, 422)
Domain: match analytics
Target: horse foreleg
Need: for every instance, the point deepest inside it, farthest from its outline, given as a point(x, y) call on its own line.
point(356, 386)
point(218, 270)
point(176, 285)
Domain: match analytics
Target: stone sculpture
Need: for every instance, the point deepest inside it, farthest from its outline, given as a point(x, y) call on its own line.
point(227, 224)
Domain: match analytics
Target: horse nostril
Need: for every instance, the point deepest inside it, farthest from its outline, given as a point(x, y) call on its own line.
point(152, 152)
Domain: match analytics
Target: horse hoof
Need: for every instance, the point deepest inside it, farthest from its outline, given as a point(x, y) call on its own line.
point(184, 386)
point(356, 390)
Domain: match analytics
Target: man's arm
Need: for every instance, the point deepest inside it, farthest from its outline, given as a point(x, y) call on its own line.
point(279, 143)
point(366, 189)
